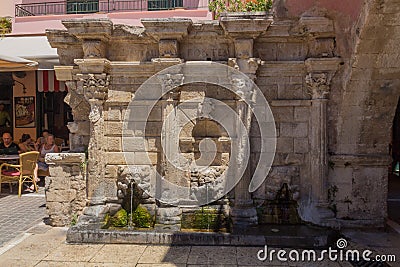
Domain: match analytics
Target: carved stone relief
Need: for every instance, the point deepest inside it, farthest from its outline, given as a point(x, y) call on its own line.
point(93, 49)
point(168, 48)
point(170, 81)
point(318, 85)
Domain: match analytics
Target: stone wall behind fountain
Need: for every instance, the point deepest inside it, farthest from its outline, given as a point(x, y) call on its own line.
point(293, 62)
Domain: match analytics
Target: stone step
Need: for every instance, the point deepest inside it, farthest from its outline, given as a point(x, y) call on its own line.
point(294, 236)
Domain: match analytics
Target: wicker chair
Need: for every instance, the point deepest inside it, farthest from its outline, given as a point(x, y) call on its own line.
point(25, 171)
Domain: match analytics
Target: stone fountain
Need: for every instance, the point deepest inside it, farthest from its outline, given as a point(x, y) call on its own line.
point(106, 66)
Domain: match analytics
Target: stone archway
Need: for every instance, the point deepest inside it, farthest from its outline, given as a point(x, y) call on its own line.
point(360, 147)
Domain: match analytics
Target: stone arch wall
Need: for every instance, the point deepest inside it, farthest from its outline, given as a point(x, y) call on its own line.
point(365, 110)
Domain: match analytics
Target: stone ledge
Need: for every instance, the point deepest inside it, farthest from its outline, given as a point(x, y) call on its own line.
point(64, 158)
point(361, 160)
point(298, 236)
point(290, 103)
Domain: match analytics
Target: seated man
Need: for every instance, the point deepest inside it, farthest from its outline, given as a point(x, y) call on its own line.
point(8, 147)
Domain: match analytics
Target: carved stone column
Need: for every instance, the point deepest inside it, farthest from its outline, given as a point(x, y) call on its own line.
point(318, 86)
point(243, 212)
point(169, 217)
point(95, 88)
point(244, 30)
point(320, 73)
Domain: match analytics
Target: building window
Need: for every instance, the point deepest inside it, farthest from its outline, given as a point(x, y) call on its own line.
point(82, 6)
point(164, 4)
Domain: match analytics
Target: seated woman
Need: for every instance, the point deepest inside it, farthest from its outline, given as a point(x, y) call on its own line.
point(27, 144)
point(48, 147)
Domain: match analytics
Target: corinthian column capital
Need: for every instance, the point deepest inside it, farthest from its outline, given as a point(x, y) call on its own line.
point(318, 85)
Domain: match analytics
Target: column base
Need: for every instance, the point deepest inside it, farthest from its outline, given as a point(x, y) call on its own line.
point(244, 216)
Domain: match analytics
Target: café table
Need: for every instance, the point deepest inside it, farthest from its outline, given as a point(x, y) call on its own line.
point(12, 159)
point(9, 157)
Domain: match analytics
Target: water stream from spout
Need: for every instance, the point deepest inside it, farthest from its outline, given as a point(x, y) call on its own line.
point(208, 215)
point(130, 223)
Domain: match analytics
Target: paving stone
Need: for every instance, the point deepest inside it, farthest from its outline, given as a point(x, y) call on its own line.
point(68, 252)
point(160, 265)
point(211, 255)
point(66, 264)
point(128, 254)
point(248, 256)
point(165, 254)
point(18, 263)
point(20, 214)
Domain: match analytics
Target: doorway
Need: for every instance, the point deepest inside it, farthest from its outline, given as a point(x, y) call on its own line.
point(6, 105)
point(394, 173)
point(56, 114)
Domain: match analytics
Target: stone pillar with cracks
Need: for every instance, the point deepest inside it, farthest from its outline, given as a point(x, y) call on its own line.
point(95, 88)
point(318, 79)
point(168, 218)
point(319, 89)
point(243, 211)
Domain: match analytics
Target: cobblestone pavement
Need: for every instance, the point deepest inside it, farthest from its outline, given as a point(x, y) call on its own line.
point(17, 215)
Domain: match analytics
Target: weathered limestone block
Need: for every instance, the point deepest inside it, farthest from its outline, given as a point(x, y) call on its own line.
point(168, 218)
point(284, 145)
point(283, 114)
point(301, 145)
point(301, 114)
point(294, 129)
point(113, 114)
point(354, 177)
point(114, 144)
point(65, 187)
point(111, 171)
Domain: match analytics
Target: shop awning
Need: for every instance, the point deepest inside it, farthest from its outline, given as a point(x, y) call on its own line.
point(33, 48)
point(47, 82)
point(13, 63)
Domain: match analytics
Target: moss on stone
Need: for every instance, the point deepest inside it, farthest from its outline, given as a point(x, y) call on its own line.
point(142, 218)
point(204, 219)
point(106, 222)
point(120, 219)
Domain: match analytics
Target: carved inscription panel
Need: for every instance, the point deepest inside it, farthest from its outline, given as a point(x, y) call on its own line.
point(124, 51)
point(206, 51)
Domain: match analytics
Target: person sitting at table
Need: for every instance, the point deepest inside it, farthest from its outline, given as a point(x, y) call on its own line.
point(41, 140)
point(8, 147)
point(27, 144)
point(48, 147)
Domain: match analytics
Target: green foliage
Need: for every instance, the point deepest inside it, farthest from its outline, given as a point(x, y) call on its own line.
point(120, 219)
point(205, 219)
point(219, 6)
point(107, 221)
point(260, 5)
point(74, 219)
point(142, 218)
point(5, 25)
